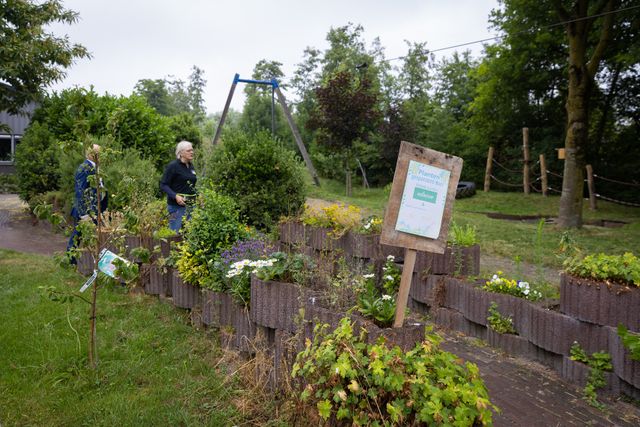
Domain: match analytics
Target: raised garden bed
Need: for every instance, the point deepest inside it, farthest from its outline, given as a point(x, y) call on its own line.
point(185, 295)
point(275, 304)
point(606, 304)
point(459, 260)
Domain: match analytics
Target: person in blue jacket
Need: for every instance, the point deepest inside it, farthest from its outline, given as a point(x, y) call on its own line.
point(179, 183)
point(85, 204)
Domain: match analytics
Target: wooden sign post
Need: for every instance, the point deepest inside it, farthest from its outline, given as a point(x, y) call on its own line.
point(419, 209)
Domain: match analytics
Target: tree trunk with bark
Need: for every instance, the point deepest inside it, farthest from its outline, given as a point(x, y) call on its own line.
point(582, 70)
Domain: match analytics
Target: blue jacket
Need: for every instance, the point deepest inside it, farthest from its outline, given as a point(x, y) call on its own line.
point(84, 202)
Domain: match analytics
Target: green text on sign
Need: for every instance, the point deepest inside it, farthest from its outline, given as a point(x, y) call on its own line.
point(425, 195)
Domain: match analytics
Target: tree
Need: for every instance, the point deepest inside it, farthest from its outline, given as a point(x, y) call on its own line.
point(584, 59)
point(31, 58)
point(347, 112)
point(156, 92)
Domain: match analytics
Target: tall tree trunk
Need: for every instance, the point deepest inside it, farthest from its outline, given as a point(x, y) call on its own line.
point(582, 70)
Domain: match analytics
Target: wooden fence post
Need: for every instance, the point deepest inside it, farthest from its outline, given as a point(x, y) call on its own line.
point(525, 170)
point(487, 172)
point(544, 181)
point(592, 188)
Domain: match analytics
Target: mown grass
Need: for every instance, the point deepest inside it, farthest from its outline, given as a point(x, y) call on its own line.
point(513, 239)
point(154, 368)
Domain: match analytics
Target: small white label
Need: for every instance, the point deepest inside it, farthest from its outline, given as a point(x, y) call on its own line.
point(89, 281)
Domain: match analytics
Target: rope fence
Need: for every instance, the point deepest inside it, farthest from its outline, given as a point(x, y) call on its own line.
point(631, 184)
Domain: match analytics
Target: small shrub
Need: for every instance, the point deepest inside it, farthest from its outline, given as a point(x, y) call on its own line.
point(264, 178)
point(9, 183)
point(350, 382)
point(37, 162)
point(499, 323)
point(624, 269)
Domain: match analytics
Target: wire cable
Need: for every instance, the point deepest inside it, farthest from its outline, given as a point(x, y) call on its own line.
point(632, 184)
point(557, 24)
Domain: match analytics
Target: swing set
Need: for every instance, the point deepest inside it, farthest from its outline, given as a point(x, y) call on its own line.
point(275, 90)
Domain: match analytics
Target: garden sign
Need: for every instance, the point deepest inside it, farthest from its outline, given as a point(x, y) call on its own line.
point(419, 209)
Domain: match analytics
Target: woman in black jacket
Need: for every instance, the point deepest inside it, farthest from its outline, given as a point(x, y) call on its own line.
point(179, 182)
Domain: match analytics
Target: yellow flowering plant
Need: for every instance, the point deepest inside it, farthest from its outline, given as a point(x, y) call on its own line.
point(339, 217)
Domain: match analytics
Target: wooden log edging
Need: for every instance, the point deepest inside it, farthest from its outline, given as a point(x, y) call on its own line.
point(185, 295)
point(276, 305)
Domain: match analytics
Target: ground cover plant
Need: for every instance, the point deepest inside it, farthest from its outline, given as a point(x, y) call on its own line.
point(154, 368)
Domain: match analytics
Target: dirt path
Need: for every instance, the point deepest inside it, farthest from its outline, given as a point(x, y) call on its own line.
point(19, 232)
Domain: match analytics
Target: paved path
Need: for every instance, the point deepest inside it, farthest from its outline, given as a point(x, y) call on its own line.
point(20, 232)
point(527, 393)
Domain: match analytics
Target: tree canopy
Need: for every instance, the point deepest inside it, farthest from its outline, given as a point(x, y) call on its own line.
point(32, 58)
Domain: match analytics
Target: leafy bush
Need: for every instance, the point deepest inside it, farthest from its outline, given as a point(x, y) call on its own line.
point(599, 363)
point(9, 183)
point(287, 268)
point(354, 383)
point(37, 162)
point(214, 226)
point(264, 178)
point(624, 269)
point(499, 323)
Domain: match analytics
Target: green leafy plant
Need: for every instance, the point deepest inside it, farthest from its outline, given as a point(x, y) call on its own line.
point(371, 225)
point(262, 176)
point(499, 323)
point(287, 268)
point(503, 285)
point(377, 296)
point(631, 341)
point(163, 232)
point(350, 382)
point(462, 236)
point(599, 363)
point(623, 269)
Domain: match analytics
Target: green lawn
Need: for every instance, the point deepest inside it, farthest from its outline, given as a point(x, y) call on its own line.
point(154, 369)
point(516, 238)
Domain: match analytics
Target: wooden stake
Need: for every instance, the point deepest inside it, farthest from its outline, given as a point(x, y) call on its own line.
point(405, 286)
point(543, 175)
point(487, 172)
point(526, 180)
point(592, 188)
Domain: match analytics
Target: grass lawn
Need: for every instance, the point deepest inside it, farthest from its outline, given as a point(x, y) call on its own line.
point(513, 239)
point(154, 369)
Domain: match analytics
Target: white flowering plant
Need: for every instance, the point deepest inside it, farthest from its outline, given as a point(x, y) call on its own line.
point(517, 288)
point(377, 295)
point(371, 225)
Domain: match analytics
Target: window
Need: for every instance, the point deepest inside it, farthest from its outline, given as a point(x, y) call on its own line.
point(6, 148)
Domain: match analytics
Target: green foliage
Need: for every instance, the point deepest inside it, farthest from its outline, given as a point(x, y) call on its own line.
point(264, 179)
point(37, 162)
point(376, 296)
point(184, 128)
point(499, 323)
point(214, 226)
point(624, 269)
point(631, 341)
point(462, 236)
point(287, 268)
point(132, 181)
point(349, 381)
point(32, 58)
point(338, 217)
point(599, 363)
point(9, 183)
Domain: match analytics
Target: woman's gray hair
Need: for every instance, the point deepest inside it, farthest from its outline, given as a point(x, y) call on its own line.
point(182, 146)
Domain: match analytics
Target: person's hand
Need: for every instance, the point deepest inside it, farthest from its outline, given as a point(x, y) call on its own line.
point(180, 200)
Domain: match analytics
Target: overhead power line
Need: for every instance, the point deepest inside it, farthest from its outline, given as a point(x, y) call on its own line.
point(557, 24)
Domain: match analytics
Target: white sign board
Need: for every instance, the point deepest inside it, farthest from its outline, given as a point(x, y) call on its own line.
point(423, 200)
